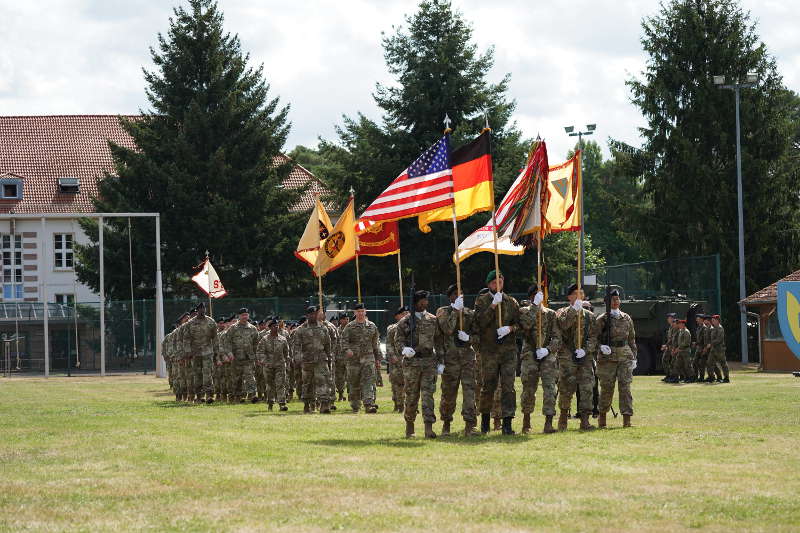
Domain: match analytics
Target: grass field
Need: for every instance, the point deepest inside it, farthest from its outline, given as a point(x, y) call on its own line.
point(118, 454)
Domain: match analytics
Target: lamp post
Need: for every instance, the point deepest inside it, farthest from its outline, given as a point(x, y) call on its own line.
point(572, 133)
point(750, 82)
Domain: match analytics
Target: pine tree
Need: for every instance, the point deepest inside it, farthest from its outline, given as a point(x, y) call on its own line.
point(204, 160)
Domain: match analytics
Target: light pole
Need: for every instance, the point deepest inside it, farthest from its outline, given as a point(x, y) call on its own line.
point(572, 133)
point(750, 82)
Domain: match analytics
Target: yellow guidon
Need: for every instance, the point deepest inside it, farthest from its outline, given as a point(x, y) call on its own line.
point(793, 312)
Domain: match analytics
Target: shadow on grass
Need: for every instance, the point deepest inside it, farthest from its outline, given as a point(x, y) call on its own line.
point(401, 442)
point(173, 403)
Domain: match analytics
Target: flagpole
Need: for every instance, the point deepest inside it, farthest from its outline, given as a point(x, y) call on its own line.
point(208, 276)
point(578, 331)
point(319, 284)
point(539, 287)
point(494, 231)
point(448, 131)
point(358, 248)
point(400, 274)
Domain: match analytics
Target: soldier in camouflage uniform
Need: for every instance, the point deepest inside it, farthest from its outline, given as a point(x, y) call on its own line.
point(186, 377)
point(258, 371)
point(297, 361)
point(272, 353)
point(360, 346)
point(706, 350)
point(681, 352)
point(242, 339)
point(498, 349)
point(666, 348)
point(217, 369)
point(225, 360)
point(716, 351)
point(421, 348)
point(574, 363)
point(698, 362)
point(333, 331)
point(312, 341)
point(540, 348)
point(200, 342)
point(455, 321)
point(395, 362)
point(616, 360)
point(340, 362)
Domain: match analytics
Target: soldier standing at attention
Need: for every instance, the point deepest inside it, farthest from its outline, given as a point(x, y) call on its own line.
point(312, 341)
point(707, 351)
point(418, 339)
point(217, 368)
point(616, 360)
point(272, 352)
point(361, 350)
point(539, 359)
point(340, 361)
point(187, 375)
point(682, 345)
point(699, 346)
point(225, 360)
point(666, 348)
point(333, 331)
point(575, 368)
point(243, 339)
point(395, 362)
point(455, 321)
point(498, 349)
point(200, 342)
point(716, 351)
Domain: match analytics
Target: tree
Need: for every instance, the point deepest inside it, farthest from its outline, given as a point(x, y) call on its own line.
point(690, 138)
point(204, 160)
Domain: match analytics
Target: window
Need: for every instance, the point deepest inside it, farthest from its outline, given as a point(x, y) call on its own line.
point(11, 262)
point(71, 185)
point(62, 250)
point(773, 329)
point(11, 188)
point(65, 299)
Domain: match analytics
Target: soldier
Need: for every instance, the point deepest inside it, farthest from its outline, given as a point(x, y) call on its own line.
point(340, 361)
point(706, 351)
point(498, 349)
point(575, 368)
point(216, 369)
point(616, 359)
point(333, 331)
point(242, 339)
point(541, 343)
point(666, 348)
point(272, 352)
point(716, 350)
point(682, 345)
point(395, 362)
point(313, 342)
point(200, 342)
point(455, 321)
point(698, 360)
point(186, 375)
point(224, 360)
point(361, 350)
point(420, 344)
point(297, 360)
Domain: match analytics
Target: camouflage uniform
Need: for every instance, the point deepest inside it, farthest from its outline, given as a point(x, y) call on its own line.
point(459, 365)
point(362, 340)
point(699, 352)
point(312, 344)
point(617, 366)
point(716, 356)
point(167, 355)
point(419, 370)
point(395, 361)
point(532, 368)
point(200, 342)
point(272, 354)
point(297, 365)
point(333, 331)
point(498, 361)
point(340, 367)
point(226, 365)
point(185, 376)
point(666, 354)
point(242, 339)
point(574, 376)
point(682, 342)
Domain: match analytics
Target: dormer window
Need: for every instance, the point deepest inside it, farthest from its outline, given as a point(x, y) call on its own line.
point(11, 188)
point(69, 185)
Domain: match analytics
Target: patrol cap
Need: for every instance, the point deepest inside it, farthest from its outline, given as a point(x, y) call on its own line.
point(359, 306)
point(451, 289)
point(420, 295)
point(311, 309)
point(572, 288)
point(533, 289)
point(244, 310)
point(400, 310)
point(492, 275)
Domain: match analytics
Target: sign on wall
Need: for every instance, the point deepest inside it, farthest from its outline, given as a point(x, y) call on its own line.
point(789, 314)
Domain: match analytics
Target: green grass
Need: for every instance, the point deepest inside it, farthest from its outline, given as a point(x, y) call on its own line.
point(118, 454)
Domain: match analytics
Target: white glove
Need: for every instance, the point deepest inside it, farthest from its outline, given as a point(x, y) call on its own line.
point(440, 369)
point(541, 353)
point(580, 353)
point(615, 313)
point(497, 298)
point(458, 305)
point(578, 305)
point(409, 351)
point(538, 298)
point(633, 365)
point(606, 349)
point(463, 336)
point(502, 331)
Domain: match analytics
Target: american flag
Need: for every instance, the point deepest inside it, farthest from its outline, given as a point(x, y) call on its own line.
point(426, 184)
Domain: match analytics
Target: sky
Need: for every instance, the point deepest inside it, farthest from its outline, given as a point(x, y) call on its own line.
point(568, 59)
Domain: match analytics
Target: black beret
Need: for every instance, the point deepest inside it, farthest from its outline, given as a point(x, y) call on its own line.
point(451, 289)
point(533, 289)
point(614, 292)
point(359, 306)
point(400, 310)
point(572, 288)
point(311, 309)
point(184, 315)
point(199, 305)
point(672, 315)
point(420, 295)
point(243, 310)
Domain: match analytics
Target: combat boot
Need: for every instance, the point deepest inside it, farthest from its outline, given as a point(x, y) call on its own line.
point(409, 430)
point(429, 434)
point(446, 428)
point(563, 418)
point(469, 429)
point(283, 407)
point(178, 396)
point(254, 399)
point(333, 406)
point(498, 424)
point(548, 425)
point(585, 425)
point(209, 399)
point(526, 423)
point(306, 407)
point(726, 380)
point(269, 406)
point(324, 408)
point(507, 426)
point(485, 418)
point(371, 409)
point(601, 421)
point(626, 421)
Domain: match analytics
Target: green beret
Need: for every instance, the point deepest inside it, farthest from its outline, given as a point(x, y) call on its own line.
point(491, 276)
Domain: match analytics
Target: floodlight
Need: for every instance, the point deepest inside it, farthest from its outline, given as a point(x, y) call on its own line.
point(591, 127)
point(752, 77)
point(569, 129)
point(719, 80)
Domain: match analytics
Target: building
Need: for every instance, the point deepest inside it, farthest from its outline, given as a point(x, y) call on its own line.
point(52, 165)
point(775, 354)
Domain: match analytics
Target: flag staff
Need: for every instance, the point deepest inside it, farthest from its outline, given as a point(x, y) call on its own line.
point(448, 131)
point(400, 272)
point(494, 229)
point(208, 276)
point(358, 270)
point(579, 331)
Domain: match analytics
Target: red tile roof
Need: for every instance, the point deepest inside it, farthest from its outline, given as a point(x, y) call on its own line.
point(41, 149)
point(769, 294)
point(298, 177)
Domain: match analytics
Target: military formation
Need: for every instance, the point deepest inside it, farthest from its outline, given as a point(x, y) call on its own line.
point(576, 359)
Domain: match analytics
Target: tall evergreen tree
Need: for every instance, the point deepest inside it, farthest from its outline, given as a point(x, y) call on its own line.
point(690, 137)
point(204, 160)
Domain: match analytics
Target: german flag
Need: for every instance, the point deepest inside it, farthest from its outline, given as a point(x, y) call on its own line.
point(472, 183)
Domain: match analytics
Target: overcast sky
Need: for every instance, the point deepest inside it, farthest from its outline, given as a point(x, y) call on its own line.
point(568, 59)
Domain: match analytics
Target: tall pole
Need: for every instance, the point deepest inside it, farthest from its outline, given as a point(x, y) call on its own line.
point(583, 220)
point(400, 275)
point(458, 268)
point(742, 289)
point(43, 276)
point(102, 302)
point(161, 369)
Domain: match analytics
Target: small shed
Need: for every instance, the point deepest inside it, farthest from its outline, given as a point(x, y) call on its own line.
point(776, 356)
